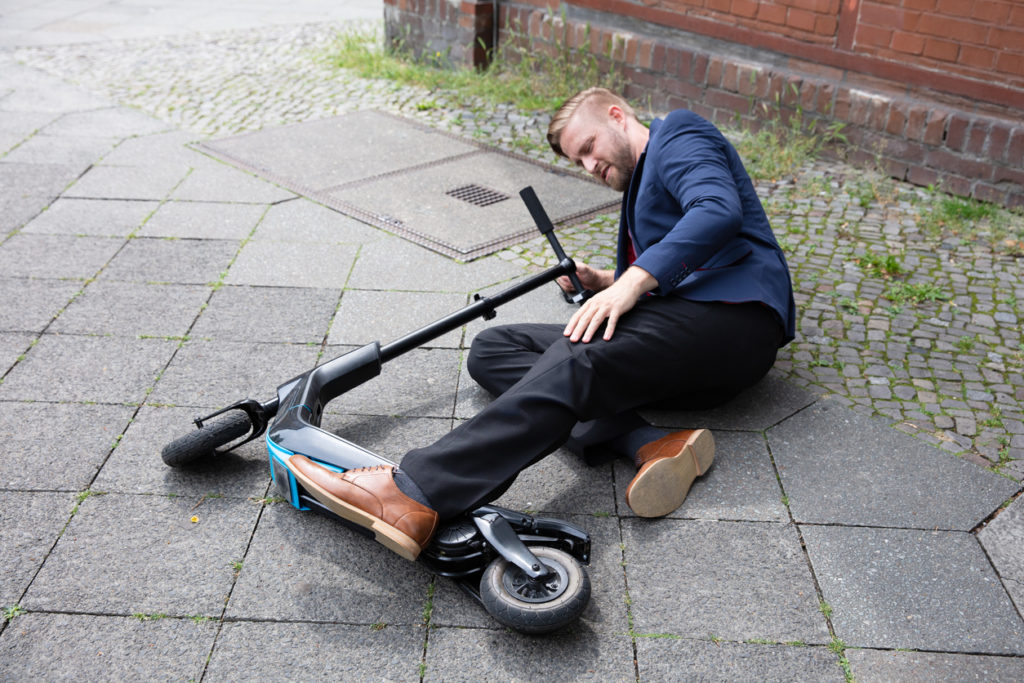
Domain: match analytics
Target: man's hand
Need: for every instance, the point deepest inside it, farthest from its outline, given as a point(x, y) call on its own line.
point(609, 305)
point(591, 278)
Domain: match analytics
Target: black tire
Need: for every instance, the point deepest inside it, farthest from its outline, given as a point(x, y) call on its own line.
point(203, 443)
point(536, 607)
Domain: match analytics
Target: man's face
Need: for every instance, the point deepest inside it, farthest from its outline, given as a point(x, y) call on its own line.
point(597, 141)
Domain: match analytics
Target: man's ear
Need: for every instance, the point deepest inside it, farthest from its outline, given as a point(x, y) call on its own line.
point(616, 114)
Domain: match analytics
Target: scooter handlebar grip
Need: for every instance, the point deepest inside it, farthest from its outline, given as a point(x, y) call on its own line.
point(544, 224)
point(540, 216)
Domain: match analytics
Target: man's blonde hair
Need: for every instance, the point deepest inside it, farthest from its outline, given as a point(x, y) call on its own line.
point(588, 99)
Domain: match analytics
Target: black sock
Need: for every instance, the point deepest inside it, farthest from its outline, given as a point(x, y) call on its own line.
point(629, 443)
point(407, 486)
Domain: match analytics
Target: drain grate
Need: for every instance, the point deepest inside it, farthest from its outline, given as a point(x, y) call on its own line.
point(477, 195)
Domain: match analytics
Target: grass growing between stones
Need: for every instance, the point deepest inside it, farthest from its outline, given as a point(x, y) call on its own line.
point(13, 611)
point(972, 220)
point(520, 72)
point(784, 143)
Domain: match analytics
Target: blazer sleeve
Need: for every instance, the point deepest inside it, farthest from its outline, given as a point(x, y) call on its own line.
point(692, 166)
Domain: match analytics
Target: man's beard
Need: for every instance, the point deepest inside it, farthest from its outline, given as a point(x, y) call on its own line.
point(623, 164)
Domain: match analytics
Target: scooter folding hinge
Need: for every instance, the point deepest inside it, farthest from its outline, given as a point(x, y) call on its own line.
point(487, 315)
point(506, 542)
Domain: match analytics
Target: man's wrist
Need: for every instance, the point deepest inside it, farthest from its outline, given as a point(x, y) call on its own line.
point(638, 279)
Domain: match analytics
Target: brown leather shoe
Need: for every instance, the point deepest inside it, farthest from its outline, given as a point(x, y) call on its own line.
point(668, 467)
point(369, 497)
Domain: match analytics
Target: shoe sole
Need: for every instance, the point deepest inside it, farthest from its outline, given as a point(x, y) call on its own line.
point(385, 534)
point(662, 487)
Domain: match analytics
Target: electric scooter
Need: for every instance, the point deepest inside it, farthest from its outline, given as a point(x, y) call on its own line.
point(525, 571)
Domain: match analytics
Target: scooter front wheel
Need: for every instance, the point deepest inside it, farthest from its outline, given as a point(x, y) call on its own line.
point(203, 443)
point(536, 605)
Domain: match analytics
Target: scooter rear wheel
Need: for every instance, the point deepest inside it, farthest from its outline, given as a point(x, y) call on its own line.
point(536, 606)
point(203, 443)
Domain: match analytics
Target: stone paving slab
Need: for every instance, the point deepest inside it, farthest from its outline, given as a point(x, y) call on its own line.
point(57, 446)
point(870, 666)
point(32, 90)
point(153, 181)
point(131, 309)
point(94, 217)
point(186, 262)
point(29, 524)
point(71, 153)
point(838, 466)
point(268, 314)
point(305, 567)
point(12, 346)
point(301, 220)
point(16, 126)
point(36, 180)
point(157, 562)
point(671, 659)
point(761, 406)
point(731, 580)
point(916, 589)
point(110, 122)
point(395, 264)
point(104, 648)
point(214, 374)
point(322, 154)
point(169, 147)
point(135, 466)
point(38, 302)
point(109, 20)
point(420, 383)
point(203, 220)
point(56, 256)
point(1003, 541)
point(740, 486)
point(286, 264)
point(100, 369)
point(16, 210)
point(562, 484)
point(469, 654)
point(455, 654)
point(215, 182)
point(307, 652)
point(366, 316)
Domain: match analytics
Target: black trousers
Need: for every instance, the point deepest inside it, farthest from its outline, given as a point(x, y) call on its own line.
point(551, 391)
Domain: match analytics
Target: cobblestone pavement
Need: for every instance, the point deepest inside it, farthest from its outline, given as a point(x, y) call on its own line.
point(893, 320)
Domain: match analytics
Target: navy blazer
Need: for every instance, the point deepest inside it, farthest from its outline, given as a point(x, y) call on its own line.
point(696, 224)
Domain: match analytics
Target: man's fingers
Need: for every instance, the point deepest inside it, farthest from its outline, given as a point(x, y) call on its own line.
point(609, 330)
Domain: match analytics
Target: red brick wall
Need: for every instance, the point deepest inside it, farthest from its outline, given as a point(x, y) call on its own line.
point(814, 21)
point(982, 39)
point(940, 44)
point(883, 69)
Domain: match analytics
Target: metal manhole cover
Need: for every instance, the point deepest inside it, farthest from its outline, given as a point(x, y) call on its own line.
point(477, 195)
point(403, 177)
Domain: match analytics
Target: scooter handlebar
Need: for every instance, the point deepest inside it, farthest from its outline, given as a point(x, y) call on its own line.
point(547, 228)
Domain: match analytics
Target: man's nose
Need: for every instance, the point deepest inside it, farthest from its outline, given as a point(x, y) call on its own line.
point(589, 163)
